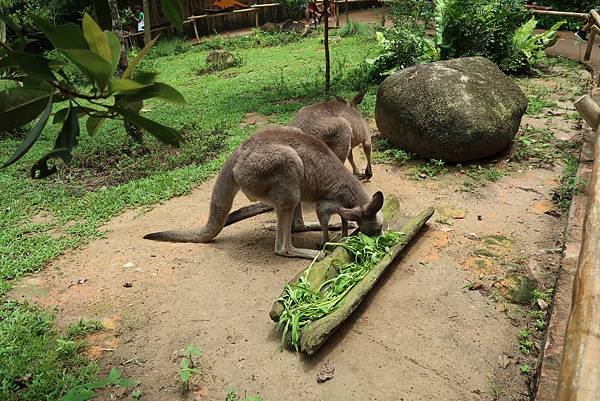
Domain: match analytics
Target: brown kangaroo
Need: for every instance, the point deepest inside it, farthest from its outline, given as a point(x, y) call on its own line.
point(283, 167)
point(341, 126)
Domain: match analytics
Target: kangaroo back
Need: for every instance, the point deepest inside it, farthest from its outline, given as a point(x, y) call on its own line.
point(221, 200)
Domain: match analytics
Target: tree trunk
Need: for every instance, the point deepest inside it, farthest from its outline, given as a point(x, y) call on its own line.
point(147, 25)
point(2, 30)
point(133, 132)
point(326, 43)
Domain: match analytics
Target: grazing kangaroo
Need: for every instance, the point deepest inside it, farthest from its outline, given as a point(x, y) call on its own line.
point(283, 167)
point(341, 126)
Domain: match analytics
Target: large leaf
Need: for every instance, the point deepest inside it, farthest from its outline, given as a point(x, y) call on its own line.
point(173, 10)
point(94, 66)
point(33, 65)
point(18, 106)
point(67, 36)
point(124, 85)
point(96, 38)
point(167, 93)
point(158, 90)
point(115, 48)
point(32, 136)
point(133, 63)
point(68, 137)
point(93, 124)
point(164, 134)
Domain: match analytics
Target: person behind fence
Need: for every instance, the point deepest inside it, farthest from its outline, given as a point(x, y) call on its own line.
point(138, 18)
point(582, 32)
point(311, 11)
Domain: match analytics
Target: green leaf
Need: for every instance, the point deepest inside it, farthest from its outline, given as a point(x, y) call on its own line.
point(67, 36)
point(94, 66)
point(164, 134)
point(32, 136)
point(115, 48)
point(61, 115)
point(158, 90)
point(96, 39)
point(30, 63)
point(167, 93)
point(173, 10)
point(124, 85)
point(185, 375)
point(253, 398)
point(193, 350)
point(68, 136)
point(18, 106)
point(138, 57)
point(145, 77)
point(93, 123)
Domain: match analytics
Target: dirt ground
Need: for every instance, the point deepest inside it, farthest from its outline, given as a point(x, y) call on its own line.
point(436, 326)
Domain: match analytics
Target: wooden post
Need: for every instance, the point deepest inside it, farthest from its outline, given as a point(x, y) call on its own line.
point(337, 14)
point(383, 10)
point(589, 110)
point(196, 30)
point(579, 370)
point(326, 44)
point(347, 12)
point(590, 45)
point(147, 24)
point(256, 18)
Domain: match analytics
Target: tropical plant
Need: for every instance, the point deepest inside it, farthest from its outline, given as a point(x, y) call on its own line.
point(40, 83)
point(528, 48)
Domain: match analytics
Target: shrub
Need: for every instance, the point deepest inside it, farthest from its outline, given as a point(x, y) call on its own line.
point(169, 47)
point(352, 28)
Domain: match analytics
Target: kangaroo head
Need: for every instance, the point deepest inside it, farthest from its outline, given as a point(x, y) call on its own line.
point(368, 217)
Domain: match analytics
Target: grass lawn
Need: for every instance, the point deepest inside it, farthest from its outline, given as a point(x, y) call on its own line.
point(39, 220)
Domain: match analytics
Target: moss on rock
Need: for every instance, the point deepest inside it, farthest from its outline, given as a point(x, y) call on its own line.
point(456, 110)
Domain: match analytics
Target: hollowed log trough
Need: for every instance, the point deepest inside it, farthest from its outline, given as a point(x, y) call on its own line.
point(315, 333)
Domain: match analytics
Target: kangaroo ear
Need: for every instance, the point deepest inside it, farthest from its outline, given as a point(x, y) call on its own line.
point(354, 214)
point(375, 205)
point(359, 97)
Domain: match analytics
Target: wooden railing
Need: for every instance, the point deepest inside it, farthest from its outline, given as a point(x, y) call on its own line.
point(579, 378)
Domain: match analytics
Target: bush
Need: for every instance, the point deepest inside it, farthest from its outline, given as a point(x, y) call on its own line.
point(169, 47)
point(352, 28)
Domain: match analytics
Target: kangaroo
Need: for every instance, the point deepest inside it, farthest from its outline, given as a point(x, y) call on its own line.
point(283, 167)
point(341, 126)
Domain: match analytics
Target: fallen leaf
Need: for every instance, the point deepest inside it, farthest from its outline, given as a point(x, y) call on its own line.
point(472, 236)
point(553, 213)
point(476, 286)
point(129, 264)
point(326, 373)
point(503, 361)
point(542, 304)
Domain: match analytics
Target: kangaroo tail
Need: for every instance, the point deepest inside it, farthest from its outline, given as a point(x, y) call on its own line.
point(246, 212)
point(220, 204)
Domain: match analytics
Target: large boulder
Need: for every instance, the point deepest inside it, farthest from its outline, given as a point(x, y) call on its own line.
point(220, 59)
point(456, 110)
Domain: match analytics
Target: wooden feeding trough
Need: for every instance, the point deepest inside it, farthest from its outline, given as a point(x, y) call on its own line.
point(315, 333)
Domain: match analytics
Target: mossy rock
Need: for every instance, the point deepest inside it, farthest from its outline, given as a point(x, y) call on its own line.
point(457, 110)
point(519, 289)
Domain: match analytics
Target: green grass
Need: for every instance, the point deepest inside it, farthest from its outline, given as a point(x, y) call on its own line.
point(36, 363)
point(39, 220)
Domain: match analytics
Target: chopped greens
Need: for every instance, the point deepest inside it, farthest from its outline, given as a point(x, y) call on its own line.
point(303, 304)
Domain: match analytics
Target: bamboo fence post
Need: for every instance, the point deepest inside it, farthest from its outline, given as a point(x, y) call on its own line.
point(589, 110)
point(590, 45)
point(579, 377)
point(196, 30)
